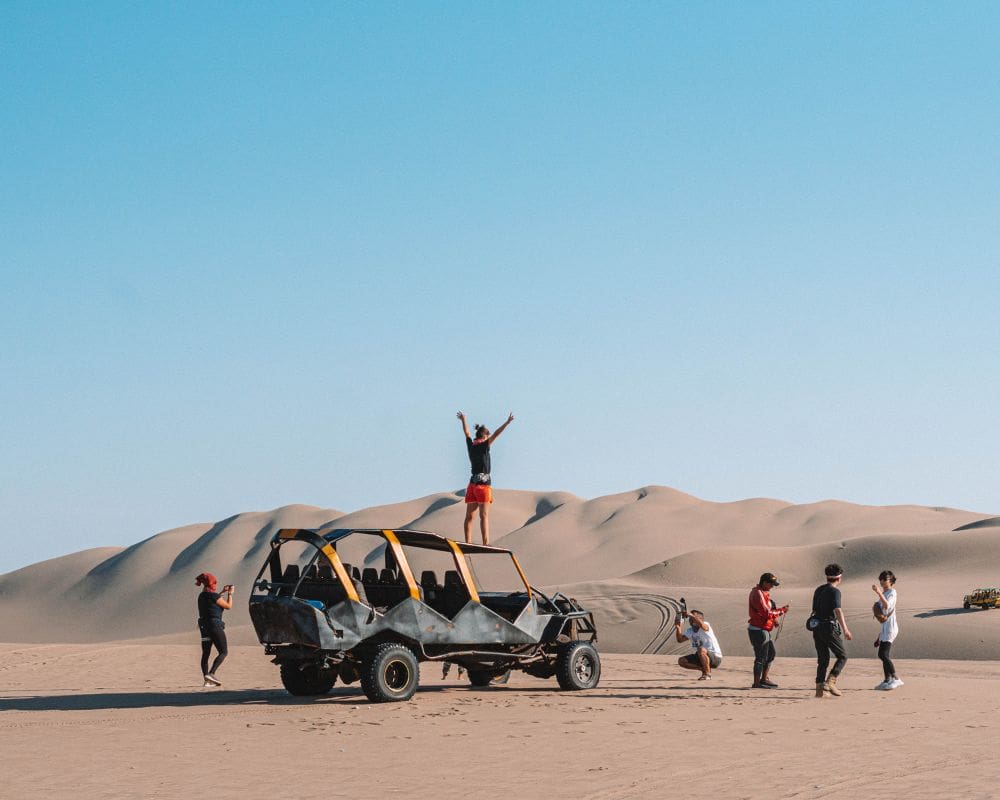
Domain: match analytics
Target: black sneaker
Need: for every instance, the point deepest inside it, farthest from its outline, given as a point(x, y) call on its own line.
point(768, 685)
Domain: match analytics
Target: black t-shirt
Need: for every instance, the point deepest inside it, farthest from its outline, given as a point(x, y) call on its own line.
point(208, 609)
point(479, 456)
point(825, 599)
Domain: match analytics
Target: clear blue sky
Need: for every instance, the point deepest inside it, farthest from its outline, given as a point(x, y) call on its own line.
point(259, 254)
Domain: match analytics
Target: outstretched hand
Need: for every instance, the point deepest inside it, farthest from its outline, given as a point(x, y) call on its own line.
point(461, 415)
point(510, 417)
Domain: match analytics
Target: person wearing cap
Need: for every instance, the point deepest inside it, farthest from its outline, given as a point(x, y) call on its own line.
point(827, 624)
point(763, 619)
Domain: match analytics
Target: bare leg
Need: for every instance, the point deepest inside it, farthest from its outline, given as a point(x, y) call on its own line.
point(706, 665)
point(484, 521)
point(682, 661)
point(470, 510)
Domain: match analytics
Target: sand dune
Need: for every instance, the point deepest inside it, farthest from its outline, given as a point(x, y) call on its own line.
point(654, 540)
point(992, 522)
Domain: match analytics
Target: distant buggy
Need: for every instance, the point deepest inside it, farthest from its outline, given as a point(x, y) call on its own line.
point(348, 604)
point(984, 598)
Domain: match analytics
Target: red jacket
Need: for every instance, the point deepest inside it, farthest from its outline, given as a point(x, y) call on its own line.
point(761, 615)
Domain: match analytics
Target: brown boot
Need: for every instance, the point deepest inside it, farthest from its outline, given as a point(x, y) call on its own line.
point(820, 687)
point(831, 686)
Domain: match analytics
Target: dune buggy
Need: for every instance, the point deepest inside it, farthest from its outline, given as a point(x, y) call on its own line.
point(984, 598)
point(347, 604)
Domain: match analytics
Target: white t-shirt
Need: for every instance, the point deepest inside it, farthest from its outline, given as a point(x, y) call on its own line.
point(702, 638)
point(890, 628)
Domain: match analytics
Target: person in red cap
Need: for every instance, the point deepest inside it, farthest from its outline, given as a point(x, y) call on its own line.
point(763, 619)
point(479, 492)
point(211, 604)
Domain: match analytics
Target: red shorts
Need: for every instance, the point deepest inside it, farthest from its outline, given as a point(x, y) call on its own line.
point(478, 493)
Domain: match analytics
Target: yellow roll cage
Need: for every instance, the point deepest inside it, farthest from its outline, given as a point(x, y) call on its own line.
point(396, 539)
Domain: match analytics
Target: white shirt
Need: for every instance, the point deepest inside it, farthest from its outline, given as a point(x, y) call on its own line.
point(702, 638)
point(890, 628)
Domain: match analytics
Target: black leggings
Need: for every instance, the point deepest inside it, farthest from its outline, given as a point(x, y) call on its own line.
point(828, 642)
point(888, 668)
point(212, 633)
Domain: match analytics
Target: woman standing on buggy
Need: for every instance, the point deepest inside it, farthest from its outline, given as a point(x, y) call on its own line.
point(479, 492)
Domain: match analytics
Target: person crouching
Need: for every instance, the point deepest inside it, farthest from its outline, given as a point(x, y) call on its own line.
point(707, 654)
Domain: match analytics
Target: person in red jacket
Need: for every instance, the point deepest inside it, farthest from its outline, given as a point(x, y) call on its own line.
point(763, 619)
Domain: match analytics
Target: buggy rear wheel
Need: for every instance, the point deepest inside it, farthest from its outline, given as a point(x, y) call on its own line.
point(391, 674)
point(306, 679)
point(480, 677)
point(578, 666)
point(484, 677)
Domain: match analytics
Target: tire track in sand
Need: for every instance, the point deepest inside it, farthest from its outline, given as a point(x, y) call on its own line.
point(667, 608)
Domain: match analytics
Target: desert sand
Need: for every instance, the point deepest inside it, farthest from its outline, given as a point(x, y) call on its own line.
point(130, 720)
point(100, 693)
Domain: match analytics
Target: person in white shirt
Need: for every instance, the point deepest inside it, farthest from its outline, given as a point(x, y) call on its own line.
point(886, 606)
point(707, 654)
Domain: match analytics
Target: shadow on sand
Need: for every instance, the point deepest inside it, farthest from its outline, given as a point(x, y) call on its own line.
point(945, 612)
point(108, 701)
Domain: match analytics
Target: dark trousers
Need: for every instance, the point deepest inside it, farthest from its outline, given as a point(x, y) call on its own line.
point(888, 668)
point(827, 640)
point(763, 652)
point(212, 634)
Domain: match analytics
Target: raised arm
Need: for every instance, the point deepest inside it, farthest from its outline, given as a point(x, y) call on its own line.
point(881, 598)
point(227, 601)
point(677, 630)
point(465, 425)
point(501, 429)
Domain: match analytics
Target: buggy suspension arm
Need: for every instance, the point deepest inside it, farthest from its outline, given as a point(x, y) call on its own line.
point(534, 653)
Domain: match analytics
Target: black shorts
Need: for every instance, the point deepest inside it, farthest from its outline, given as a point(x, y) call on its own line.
point(714, 661)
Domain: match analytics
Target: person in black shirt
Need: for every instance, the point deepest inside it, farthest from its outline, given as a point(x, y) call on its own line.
point(213, 630)
point(828, 618)
point(479, 492)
